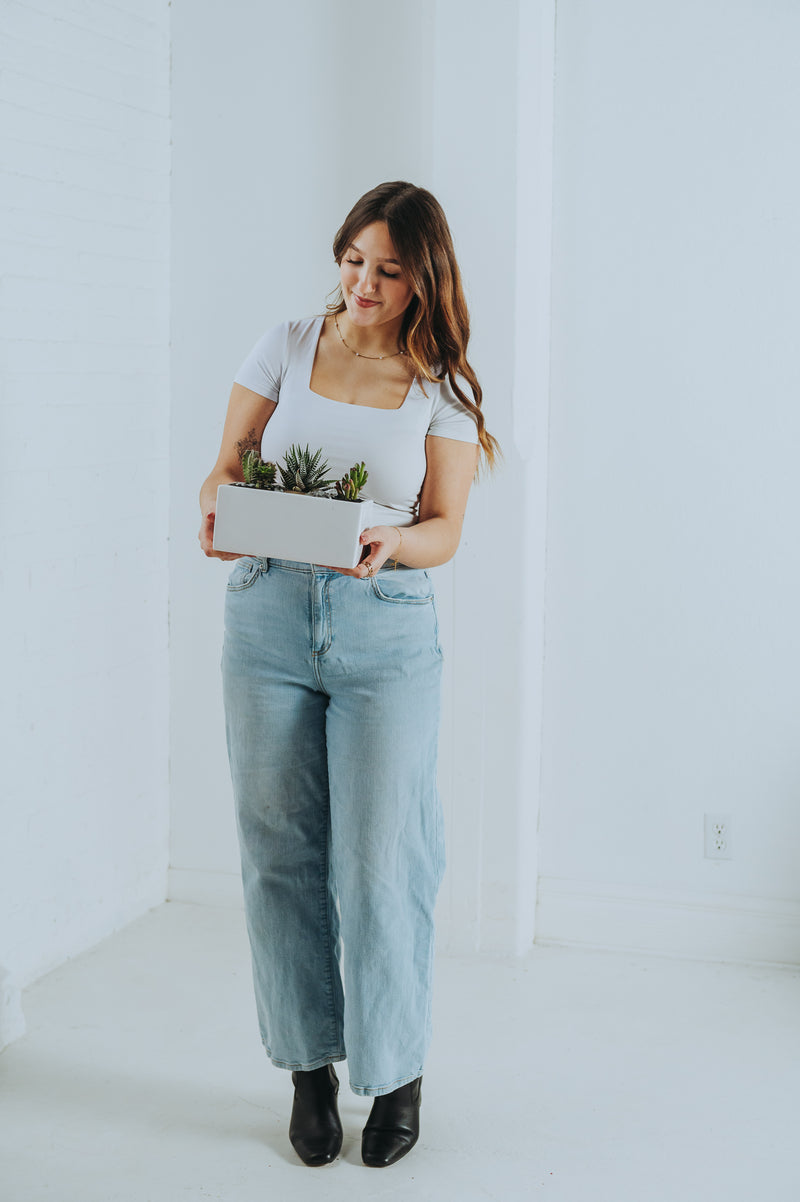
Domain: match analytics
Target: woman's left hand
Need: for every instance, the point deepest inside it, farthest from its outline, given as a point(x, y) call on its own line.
point(381, 543)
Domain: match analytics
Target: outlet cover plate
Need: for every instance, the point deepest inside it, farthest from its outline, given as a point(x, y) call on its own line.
point(717, 837)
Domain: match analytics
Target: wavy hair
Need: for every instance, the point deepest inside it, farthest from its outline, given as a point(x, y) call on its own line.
point(435, 329)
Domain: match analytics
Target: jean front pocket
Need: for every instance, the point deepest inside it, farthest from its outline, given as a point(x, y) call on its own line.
point(245, 572)
point(409, 587)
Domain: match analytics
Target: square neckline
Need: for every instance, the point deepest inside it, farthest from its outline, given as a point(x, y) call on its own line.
point(347, 404)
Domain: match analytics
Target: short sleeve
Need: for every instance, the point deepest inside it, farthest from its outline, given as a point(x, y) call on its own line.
point(450, 417)
point(262, 370)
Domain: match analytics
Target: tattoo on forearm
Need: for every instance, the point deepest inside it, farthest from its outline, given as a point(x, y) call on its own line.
point(250, 442)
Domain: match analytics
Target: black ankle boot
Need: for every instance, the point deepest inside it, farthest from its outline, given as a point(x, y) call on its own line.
point(392, 1128)
point(315, 1128)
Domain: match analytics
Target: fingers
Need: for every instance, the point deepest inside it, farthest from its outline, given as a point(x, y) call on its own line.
point(206, 534)
point(376, 538)
point(374, 534)
point(206, 540)
point(371, 565)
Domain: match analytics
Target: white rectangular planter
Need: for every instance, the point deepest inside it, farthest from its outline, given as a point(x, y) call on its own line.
point(255, 521)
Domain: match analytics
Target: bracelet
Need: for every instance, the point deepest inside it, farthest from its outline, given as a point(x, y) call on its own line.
point(399, 545)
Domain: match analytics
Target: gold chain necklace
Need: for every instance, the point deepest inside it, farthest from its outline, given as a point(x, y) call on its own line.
point(358, 354)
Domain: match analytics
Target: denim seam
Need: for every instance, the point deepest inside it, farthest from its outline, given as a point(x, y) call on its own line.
point(252, 573)
point(429, 984)
point(326, 921)
point(436, 643)
point(400, 600)
point(315, 655)
point(327, 626)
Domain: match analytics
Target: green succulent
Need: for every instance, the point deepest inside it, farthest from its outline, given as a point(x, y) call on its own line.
point(256, 472)
point(352, 482)
point(303, 472)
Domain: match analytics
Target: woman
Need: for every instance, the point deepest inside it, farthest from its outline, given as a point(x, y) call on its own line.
point(331, 676)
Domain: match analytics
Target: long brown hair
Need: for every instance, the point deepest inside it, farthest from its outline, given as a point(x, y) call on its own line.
point(435, 329)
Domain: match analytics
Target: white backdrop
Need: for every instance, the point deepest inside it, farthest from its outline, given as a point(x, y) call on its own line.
point(621, 618)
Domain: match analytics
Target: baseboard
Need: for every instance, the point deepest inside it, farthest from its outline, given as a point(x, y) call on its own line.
point(205, 888)
point(718, 927)
point(729, 928)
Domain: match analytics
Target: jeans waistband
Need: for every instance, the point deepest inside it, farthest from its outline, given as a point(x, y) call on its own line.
point(294, 565)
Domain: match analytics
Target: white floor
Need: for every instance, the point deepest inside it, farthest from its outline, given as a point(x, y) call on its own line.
point(572, 1076)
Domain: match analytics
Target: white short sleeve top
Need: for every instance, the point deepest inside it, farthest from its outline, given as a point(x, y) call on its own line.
point(391, 442)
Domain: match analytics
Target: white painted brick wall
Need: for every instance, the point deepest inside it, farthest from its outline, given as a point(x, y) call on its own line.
point(84, 323)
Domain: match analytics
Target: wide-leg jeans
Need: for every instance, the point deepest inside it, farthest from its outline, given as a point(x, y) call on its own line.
point(331, 688)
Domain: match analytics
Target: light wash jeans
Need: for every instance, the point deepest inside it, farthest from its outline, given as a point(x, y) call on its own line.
point(331, 691)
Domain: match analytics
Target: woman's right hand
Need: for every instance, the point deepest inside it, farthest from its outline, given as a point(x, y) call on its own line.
point(206, 537)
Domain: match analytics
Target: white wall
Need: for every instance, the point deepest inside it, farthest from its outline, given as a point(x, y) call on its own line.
point(282, 116)
point(673, 653)
point(84, 479)
point(671, 661)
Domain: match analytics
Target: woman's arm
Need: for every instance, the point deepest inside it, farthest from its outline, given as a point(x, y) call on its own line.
point(245, 422)
point(434, 539)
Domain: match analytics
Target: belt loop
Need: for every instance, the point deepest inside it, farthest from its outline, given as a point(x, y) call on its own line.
point(264, 561)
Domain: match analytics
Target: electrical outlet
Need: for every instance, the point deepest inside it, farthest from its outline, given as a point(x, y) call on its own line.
point(717, 837)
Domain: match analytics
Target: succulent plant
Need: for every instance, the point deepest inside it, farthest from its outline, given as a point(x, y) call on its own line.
point(352, 482)
point(302, 471)
point(257, 473)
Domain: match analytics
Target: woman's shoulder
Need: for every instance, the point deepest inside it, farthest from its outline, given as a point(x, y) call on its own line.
point(291, 331)
point(298, 328)
point(450, 417)
point(442, 390)
point(280, 342)
point(266, 365)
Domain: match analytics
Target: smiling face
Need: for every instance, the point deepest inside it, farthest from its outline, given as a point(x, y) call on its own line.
point(374, 288)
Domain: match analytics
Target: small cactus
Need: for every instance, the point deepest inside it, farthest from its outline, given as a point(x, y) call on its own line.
point(350, 485)
point(302, 471)
point(257, 473)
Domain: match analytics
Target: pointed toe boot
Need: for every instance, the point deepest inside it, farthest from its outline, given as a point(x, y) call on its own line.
point(392, 1128)
point(315, 1128)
